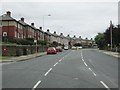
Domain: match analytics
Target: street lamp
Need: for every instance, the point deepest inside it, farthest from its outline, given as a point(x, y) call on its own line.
point(43, 28)
point(35, 41)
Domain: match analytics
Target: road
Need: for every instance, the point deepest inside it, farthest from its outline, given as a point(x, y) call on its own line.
point(86, 68)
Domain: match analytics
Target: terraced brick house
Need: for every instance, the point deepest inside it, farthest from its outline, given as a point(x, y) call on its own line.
point(11, 28)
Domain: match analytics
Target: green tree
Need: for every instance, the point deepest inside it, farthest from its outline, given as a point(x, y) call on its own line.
point(100, 41)
point(54, 44)
point(77, 44)
point(115, 35)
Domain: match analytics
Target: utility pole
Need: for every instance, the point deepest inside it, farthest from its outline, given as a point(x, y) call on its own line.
point(43, 29)
point(111, 34)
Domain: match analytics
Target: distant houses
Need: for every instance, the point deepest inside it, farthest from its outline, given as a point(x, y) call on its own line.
point(19, 29)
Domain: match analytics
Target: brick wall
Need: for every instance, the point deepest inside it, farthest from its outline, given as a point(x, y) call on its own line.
point(21, 50)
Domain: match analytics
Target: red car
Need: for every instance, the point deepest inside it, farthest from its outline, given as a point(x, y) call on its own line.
point(51, 50)
point(59, 49)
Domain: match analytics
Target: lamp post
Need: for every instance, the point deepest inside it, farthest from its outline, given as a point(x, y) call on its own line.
point(35, 41)
point(43, 29)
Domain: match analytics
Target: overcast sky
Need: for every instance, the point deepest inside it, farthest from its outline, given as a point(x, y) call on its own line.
point(72, 17)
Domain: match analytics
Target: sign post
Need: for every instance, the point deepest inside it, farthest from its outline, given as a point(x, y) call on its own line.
point(35, 41)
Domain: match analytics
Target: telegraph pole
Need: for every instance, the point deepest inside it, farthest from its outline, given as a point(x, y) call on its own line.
point(111, 34)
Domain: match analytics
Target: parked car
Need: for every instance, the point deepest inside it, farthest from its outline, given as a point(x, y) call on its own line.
point(66, 47)
point(74, 48)
point(79, 47)
point(51, 50)
point(59, 49)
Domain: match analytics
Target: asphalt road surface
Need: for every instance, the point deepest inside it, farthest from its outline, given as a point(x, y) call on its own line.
point(86, 68)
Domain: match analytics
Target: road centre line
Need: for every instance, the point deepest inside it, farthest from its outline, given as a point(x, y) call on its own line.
point(83, 60)
point(92, 72)
point(105, 85)
point(55, 64)
point(36, 85)
point(85, 64)
point(90, 69)
point(60, 60)
point(48, 71)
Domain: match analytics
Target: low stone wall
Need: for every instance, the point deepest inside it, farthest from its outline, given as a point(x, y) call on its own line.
point(19, 50)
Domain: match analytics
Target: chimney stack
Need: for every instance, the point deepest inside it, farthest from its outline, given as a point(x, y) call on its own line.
point(48, 30)
point(61, 34)
point(40, 28)
point(54, 32)
point(68, 35)
point(22, 19)
point(32, 24)
point(8, 13)
point(80, 37)
point(74, 36)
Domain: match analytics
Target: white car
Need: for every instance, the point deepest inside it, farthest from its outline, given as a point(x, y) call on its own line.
point(79, 47)
point(74, 48)
point(65, 47)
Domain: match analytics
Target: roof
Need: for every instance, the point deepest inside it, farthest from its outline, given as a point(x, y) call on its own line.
point(40, 30)
point(56, 35)
point(6, 17)
point(22, 22)
point(48, 33)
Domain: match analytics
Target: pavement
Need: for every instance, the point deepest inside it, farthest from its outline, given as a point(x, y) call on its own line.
point(25, 57)
point(110, 53)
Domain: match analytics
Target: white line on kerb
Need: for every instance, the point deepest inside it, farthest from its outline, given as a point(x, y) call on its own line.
point(85, 64)
point(105, 85)
point(36, 85)
point(48, 71)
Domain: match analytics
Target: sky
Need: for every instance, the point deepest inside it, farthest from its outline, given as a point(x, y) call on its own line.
point(83, 18)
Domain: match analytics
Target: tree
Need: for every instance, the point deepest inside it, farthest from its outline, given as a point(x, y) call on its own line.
point(115, 35)
point(77, 44)
point(100, 41)
point(54, 44)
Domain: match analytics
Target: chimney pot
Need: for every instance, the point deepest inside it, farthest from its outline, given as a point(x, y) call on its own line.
point(32, 24)
point(61, 34)
point(54, 32)
point(48, 30)
point(8, 13)
point(22, 19)
point(79, 36)
point(40, 28)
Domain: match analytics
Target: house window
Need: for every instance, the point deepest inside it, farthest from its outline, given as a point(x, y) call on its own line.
point(4, 33)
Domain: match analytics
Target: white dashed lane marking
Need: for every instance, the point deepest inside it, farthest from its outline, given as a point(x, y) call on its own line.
point(48, 71)
point(36, 85)
point(85, 64)
point(105, 85)
point(55, 64)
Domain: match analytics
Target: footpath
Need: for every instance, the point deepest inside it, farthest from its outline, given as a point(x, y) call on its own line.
point(22, 58)
point(114, 54)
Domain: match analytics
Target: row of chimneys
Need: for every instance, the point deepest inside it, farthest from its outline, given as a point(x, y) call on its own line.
point(32, 24)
